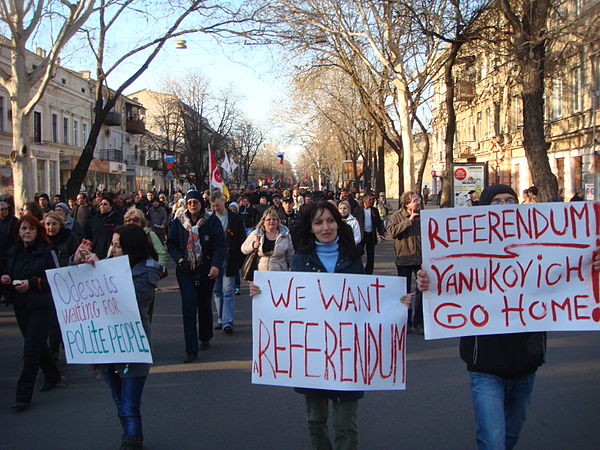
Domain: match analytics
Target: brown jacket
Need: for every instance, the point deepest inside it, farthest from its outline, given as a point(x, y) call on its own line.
point(407, 238)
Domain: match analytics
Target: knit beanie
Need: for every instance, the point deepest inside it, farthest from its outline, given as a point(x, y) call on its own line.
point(491, 191)
point(63, 206)
point(195, 195)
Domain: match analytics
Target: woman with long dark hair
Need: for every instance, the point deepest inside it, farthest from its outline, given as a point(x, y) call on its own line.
point(24, 284)
point(126, 380)
point(326, 244)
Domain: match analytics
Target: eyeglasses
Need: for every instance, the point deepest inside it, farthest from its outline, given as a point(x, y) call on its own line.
point(132, 219)
point(508, 201)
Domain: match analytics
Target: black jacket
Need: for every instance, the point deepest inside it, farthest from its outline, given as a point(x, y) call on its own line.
point(310, 262)
point(504, 355)
point(212, 239)
point(376, 221)
point(248, 214)
point(291, 221)
point(100, 228)
point(235, 235)
point(7, 226)
point(64, 244)
point(28, 263)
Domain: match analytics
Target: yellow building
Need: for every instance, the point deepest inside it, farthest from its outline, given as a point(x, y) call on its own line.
point(489, 110)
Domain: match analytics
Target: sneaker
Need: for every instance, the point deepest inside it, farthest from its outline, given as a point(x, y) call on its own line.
point(190, 357)
point(204, 345)
point(228, 329)
point(20, 406)
point(46, 386)
point(237, 291)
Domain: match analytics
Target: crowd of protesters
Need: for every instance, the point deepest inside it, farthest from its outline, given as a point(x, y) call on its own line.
point(207, 237)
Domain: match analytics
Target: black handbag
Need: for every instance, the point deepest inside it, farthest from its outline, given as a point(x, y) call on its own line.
point(249, 266)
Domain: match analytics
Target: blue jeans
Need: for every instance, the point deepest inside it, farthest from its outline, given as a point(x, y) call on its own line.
point(224, 293)
point(127, 394)
point(196, 297)
point(500, 406)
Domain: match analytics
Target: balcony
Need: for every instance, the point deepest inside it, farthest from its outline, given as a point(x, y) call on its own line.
point(464, 90)
point(113, 119)
point(156, 164)
point(135, 126)
point(110, 154)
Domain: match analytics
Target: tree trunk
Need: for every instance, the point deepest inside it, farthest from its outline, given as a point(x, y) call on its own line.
point(532, 62)
point(22, 166)
point(446, 200)
point(380, 180)
point(408, 163)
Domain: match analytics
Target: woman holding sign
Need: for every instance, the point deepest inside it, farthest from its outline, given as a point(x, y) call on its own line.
point(326, 244)
point(24, 283)
point(126, 381)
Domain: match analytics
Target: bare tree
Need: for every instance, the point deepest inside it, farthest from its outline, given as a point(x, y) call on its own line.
point(247, 142)
point(212, 18)
point(207, 119)
point(26, 84)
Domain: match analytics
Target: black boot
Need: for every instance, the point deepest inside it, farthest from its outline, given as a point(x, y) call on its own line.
point(132, 442)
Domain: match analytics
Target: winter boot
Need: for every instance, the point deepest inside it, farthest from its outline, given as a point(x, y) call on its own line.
point(132, 442)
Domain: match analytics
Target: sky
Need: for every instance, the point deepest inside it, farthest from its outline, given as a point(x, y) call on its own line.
point(254, 72)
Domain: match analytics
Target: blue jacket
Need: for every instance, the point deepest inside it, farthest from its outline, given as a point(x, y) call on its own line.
point(310, 262)
point(212, 239)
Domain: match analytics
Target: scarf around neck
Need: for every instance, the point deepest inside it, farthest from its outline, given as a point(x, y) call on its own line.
point(193, 247)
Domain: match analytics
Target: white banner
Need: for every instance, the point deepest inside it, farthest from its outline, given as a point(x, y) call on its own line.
point(329, 331)
point(512, 268)
point(98, 313)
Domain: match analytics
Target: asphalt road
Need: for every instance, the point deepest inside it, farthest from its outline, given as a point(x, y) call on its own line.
point(211, 404)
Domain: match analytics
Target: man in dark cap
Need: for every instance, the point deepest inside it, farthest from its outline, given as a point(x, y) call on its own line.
point(501, 367)
point(289, 217)
point(197, 244)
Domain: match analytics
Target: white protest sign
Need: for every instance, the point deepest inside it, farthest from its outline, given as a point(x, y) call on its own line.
point(329, 331)
point(98, 313)
point(511, 268)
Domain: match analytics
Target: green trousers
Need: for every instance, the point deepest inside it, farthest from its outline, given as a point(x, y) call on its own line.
point(344, 423)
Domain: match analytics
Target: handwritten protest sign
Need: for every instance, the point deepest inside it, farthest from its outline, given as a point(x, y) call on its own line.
point(98, 313)
point(329, 331)
point(512, 268)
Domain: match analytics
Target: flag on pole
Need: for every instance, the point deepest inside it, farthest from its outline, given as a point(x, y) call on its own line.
point(280, 156)
point(228, 165)
point(215, 178)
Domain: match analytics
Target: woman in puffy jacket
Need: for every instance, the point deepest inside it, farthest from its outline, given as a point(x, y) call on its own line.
point(24, 283)
point(273, 242)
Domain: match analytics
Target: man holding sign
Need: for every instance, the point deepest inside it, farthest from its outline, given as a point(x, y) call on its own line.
point(520, 291)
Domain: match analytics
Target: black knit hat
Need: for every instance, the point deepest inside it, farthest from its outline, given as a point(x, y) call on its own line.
point(195, 195)
point(491, 191)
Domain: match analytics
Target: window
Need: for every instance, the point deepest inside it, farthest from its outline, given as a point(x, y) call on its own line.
point(479, 130)
point(37, 127)
point(556, 98)
point(76, 133)
point(576, 90)
point(560, 173)
point(596, 79)
point(1, 113)
point(66, 130)
point(54, 127)
point(488, 122)
point(518, 118)
point(84, 133)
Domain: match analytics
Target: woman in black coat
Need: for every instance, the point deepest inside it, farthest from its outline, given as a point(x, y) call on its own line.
point(24, 283)
point(326, 244)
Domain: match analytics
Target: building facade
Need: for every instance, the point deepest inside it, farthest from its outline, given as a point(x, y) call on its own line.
point(490, 119)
